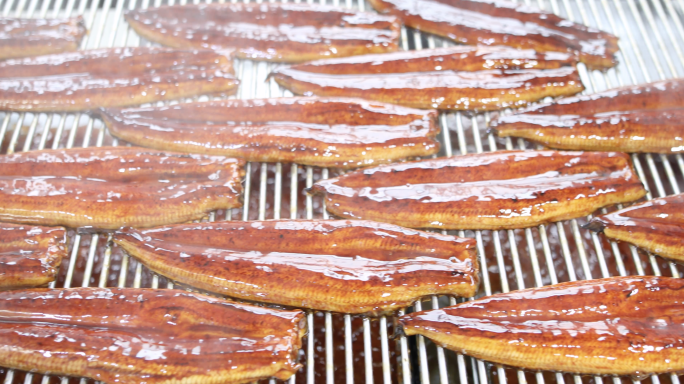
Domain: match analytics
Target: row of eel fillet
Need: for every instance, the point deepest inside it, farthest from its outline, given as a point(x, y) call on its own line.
point(33, 37)
point(639, 118)
point(114, 77)
point(272, 32)
point(30, 255)
point(455, 78)
point(357, 266)
point(324, 132)
point(111, 187)
point(615, 326)
point(131, 336)
point(498, 190)
point(656, 226)
point(499, 22)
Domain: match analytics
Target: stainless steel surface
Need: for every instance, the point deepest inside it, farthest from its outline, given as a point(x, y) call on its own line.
point(350, 349)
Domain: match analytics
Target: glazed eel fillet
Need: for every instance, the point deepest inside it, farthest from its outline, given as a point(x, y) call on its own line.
point(111, 187)
point(499, 22)
point(639, 118)
point(33, 37)
point(330, 265)
point(113, 77)
point(30, 256)
point(326, 132)
point(269, 31)
point(133, 335)
point(616, 326)
point(497, 190)
point(656, 226)
point(455, 78)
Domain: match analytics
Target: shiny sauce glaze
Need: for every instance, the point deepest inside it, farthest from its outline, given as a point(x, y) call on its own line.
point(325, 132)
point(331, 265)
point(111, 187)
point(499, 190)
point(456, 78)
point(614, 326)
point(113, 77)
point(499, 22)
point(269, 31)
point(33, 37)
point(127, 335)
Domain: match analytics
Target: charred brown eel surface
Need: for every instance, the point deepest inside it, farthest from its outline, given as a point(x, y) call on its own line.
point(497, 190)
point(614, 326)
point(132, 335)
point(33, 37)
point(331, 265)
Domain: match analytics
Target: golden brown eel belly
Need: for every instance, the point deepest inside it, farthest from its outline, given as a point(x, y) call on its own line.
point(30, 256)
point(111, 187)
point(33, 37)
point(131, 336)
point(614, 326)
point(115, 77)
point(640, 118)
point(269, 31)
point(341, 266)
point(327, 132)
point(498, 190)
point(499, 22)
point(656, 226)
point(456, 78)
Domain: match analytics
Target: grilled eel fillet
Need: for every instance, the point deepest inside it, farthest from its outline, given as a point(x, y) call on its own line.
point(33, 37)
point(331, 265)
point(615, 326)
point(656, 226)
point(268, 31)
point(111, 187)
point(497, 190)
point(129, 336)
point(640, 118)
point(113, 77)
point(455, 78)
point(327, 132)
point(498, 22)
point(30, 256)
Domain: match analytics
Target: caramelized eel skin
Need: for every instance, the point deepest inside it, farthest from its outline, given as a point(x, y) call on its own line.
point(33, 37)
point(111, 187)
point(614, 326)
point(30, 256)
point(641, 118)
point(271, 32)
point(327, 132)
point(499, 190)
point(656, 226)
point(456, 78)
point(499, 22)
point(113, 77)
point(129, 336)
point(336, 265)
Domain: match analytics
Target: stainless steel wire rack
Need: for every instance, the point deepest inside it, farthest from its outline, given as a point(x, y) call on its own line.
point(343, 348)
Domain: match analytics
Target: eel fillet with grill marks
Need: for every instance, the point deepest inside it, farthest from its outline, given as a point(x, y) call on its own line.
point(335, 265)
point(33, 37)
point(498, 22)
point(30, 256)
point(133, 335)
point(111, 187)
point(498, 190)
point(656, 226)
point(616, 326)
point(338, 133)
point(269, 31)
point(640, 118)
point(455, 78)
point(112, 77)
